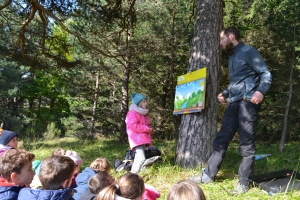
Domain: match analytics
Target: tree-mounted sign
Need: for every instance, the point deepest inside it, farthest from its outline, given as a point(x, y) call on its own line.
point(190, 92)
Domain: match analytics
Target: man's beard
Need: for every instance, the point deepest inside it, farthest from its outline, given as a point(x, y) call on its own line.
point(228, 46)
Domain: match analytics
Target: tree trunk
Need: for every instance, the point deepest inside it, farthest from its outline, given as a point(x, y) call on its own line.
point(172, 93)
point(286, 113)
point(125, 83)
point(287, 107)
point(92, 128)
point(198, 130)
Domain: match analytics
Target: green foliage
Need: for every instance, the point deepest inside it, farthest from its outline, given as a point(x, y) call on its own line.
point(52, 132)
point(74, 127)
point(59, 86)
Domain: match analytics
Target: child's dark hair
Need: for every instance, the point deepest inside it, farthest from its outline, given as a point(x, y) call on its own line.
point(99, 181)
point(129, 185)
point(55, 170)
point(13, 160)
point(186, 189)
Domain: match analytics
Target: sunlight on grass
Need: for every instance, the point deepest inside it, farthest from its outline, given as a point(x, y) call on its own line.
point(164, 175)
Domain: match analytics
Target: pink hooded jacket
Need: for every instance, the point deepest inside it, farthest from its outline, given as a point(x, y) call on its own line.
point(138, 127)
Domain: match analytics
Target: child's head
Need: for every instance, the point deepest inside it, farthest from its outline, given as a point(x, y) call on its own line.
point(100, 165)
point(129, 185)
point(186, 189)
point(8, 138)
point(58, 152)
point(57, 172)
point(139, 99)
point(16, 166)
point(76, 158)
point(99, 181)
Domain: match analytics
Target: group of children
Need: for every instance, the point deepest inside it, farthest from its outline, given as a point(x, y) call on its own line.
point(58, 177)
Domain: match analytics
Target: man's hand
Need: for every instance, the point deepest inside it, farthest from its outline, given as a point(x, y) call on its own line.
point(221, 98)
point(257, 97)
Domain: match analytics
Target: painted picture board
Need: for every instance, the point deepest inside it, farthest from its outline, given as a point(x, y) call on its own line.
point(190, 92)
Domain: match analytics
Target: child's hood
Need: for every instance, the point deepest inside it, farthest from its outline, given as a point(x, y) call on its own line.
point(36, 194)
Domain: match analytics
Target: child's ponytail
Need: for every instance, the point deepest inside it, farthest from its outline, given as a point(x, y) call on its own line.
point(107, 193)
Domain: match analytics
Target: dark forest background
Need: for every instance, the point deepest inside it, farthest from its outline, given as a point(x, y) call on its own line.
point(67, 68)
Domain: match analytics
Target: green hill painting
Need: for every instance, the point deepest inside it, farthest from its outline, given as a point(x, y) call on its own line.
point(189, 97)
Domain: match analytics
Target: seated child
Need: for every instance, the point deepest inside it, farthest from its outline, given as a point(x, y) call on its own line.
point(59, 151)
point(78, 162)
point(56, 177)
point(186, 189)
point(36, 164)
point(99, 181)
point(100, 164)
point(8, 139)
point(128, 186)
point(16, 171)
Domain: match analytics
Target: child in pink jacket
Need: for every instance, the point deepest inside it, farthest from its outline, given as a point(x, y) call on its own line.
point(138, 129)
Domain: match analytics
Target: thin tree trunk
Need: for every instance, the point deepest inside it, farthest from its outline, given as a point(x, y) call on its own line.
point(92, 128)
point(172, 94)
point(287, 107)
point(125, 83)
point(198, 130)
point(286, 113)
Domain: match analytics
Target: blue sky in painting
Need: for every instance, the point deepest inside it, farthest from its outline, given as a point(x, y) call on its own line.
point(186, 89)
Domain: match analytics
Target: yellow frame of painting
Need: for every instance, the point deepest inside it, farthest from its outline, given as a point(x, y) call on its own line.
point(190, 92)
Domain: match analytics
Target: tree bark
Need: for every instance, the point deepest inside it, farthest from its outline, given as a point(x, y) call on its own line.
point(171, 80)
point(197, 131)
point(288, 104)
point(125, 83)
point(92, 128)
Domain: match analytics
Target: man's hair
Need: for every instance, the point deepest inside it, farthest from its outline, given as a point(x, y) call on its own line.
point(186, 189)
point(12, 161)
point(99, 181)
point(55, 170)
point(100, 164)
point(232, 30)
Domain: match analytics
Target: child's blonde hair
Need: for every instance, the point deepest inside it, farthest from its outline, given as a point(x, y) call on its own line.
point(58, 152)
point(100, 165)
point(129, 185)
point(186, 189)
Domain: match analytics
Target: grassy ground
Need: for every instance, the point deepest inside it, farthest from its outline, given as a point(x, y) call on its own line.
point(165, 174)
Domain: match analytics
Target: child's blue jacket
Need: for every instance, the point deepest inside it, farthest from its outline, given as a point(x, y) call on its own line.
point(39, 194)
point(9, 192)
point(82, 180)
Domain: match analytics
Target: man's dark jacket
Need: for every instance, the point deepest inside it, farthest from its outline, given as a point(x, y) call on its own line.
point(248, 73)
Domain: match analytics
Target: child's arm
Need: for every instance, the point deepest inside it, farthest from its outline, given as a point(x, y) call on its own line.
point(135, 125)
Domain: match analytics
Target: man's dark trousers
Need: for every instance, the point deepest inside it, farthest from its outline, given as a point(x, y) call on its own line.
point(240, 115)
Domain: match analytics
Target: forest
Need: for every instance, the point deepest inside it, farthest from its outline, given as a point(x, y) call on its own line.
point(68, 67)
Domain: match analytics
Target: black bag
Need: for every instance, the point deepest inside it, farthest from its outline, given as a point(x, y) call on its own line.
point(150, 151)
point(129, 155)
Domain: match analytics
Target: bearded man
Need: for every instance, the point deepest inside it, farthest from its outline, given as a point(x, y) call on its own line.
point(250, 79)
